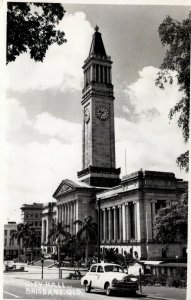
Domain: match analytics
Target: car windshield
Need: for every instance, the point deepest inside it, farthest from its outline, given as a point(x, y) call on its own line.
point(113, 268)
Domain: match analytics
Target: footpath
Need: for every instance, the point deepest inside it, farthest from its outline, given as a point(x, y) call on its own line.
point(164, 293)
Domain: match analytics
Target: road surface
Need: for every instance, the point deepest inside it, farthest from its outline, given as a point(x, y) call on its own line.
point(28, 285)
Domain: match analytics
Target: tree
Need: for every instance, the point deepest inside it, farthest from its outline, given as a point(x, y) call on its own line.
point(170, 224)
point(33, 240)
point(73, 245)
point(32, 26)
point(176, 35)
point(59, 234)
point(88, 228)
point(25, 234)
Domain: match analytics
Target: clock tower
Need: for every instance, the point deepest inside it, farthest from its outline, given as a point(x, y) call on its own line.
point(98, 141)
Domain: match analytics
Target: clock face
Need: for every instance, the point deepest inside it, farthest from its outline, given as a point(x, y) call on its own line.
point(87, 115)
point(102, 112)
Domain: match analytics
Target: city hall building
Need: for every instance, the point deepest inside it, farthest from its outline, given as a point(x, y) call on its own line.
point(128, 205)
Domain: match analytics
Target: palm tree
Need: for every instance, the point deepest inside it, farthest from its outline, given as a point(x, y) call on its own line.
point(23, 233)
point(57, 232)
point(89, 229)
point(33, 239)
point(15, 235)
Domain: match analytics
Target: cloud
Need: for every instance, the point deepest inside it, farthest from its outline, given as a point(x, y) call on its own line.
point(51, 126)
point(15, 116)
point(151, 142)
point(147, 99)
point(17, 123)
point(62, 66)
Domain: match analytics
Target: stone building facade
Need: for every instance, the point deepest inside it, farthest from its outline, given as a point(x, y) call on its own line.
point(32, 214)
point(128, 206)
point(49, 216)
point(10, 244)
point(128, 211)
point(74, 202)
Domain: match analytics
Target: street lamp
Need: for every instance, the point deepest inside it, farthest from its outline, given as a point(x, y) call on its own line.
point(42, 262)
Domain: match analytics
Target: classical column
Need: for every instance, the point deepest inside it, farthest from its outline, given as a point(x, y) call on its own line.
point(68, 217)
point(63, 217)
point(138, 222)
point(120, 223)
point(107, 224)
point(93, 72)
point(66, 213)
point(103, 68)
point(45, 229)
point(72, 218)
point(135, 218)
point(115, 222)
point(60, 212)
point(74, 226)
point(99, 73)
point(110, 224)
point(128, 222)
point(148, 220)
point(42, 234)
point(153, 211)
point(104, 224)
point(76, 210)
point(63, 213)
point(153, 208)
point(124, 222)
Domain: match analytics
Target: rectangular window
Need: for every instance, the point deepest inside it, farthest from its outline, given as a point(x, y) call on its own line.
point(5, 232)
point(5, 243)
point(93, 269)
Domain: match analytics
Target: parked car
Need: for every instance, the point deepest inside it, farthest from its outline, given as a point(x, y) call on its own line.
point(109, 277)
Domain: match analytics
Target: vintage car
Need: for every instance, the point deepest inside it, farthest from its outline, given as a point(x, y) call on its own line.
point(109, 277)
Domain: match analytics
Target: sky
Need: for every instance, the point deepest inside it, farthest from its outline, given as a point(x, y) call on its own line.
point(43, 113)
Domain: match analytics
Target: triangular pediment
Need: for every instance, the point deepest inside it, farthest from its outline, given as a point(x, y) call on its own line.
point(65, 187)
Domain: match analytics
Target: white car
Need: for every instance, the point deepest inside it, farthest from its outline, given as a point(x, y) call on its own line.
point(109, 277)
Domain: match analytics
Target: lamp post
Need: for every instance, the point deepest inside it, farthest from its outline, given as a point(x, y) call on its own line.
point(98, 202)
point(42, 262)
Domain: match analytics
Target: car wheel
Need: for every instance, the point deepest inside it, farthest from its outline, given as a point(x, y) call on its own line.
point(87, 287)
point(108, 289)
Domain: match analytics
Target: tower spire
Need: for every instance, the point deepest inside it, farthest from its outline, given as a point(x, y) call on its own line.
point(97, 46)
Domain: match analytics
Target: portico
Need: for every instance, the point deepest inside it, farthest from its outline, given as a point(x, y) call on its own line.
point(127, 211)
